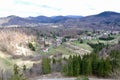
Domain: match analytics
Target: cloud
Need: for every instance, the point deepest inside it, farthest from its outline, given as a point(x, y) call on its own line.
point(49, 7)
point(56, 7)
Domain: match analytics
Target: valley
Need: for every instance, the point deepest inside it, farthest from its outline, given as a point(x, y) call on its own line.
point(70, 46)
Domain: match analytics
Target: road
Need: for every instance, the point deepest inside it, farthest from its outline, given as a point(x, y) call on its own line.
point(75, 78)
point(59, 79)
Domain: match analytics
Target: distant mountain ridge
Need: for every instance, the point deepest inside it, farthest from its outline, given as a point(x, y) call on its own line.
point(16, 20)
point(53, 19)
point(104, 20)
point(108, 13)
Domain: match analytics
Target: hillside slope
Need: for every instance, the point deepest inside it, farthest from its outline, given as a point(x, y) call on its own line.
point(106, 20)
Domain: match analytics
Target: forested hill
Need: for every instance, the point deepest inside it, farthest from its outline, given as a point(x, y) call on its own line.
point(105, 20)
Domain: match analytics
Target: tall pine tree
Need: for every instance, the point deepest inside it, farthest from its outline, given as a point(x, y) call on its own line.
point(46, 68)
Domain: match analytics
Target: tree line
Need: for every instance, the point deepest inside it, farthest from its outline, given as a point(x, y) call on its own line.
point(87, 65)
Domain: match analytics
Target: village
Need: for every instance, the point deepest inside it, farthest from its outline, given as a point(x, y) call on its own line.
point(80, 41)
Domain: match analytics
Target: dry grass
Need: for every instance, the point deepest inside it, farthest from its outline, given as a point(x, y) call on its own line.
point(13, 40)
point(14, 43)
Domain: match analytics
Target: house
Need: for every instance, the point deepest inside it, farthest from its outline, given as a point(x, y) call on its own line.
point(73, 39)
point(45, 49)
point(58, 41)
point(115, 32)
point(86, 37)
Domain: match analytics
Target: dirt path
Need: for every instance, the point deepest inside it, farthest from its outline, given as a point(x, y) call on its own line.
point(75, 78)
point(58, 76)
point(59, 79)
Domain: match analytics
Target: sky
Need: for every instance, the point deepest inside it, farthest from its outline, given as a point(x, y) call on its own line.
point(25, 8)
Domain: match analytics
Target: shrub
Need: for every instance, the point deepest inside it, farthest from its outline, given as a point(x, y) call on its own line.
point(106, 39)
point(31, 46)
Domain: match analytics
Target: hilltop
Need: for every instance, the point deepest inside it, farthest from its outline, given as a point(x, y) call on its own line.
point(106, 20)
